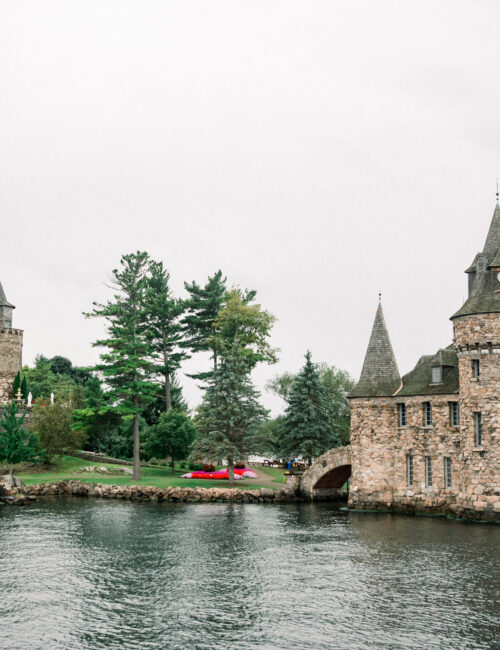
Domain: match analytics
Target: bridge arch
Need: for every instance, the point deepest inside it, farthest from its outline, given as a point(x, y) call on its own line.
point(326, 476)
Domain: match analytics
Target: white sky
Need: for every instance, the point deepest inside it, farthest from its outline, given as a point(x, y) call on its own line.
point(317, 151)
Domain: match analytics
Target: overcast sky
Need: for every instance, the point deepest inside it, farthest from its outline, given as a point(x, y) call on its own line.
point(316, 151)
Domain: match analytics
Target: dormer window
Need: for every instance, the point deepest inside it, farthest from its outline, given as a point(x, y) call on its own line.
point(436, 374)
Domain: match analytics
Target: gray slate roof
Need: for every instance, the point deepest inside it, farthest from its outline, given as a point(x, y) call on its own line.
point(418, 380)
point(380, 375)
point(3, 299)
point(481, 299)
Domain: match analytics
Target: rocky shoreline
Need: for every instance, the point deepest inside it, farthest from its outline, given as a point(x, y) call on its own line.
point(16, 493)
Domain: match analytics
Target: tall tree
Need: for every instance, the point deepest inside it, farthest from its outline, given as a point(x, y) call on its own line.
point(247, 323)
point(230, 411)
point(16, 444)
point(126, 366)
point(52, 423)
point(307, 431)
point(203, 306)
point(166, 333)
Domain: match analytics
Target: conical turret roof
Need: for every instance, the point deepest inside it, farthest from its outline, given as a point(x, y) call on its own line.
point(481, 298)
point(380, 375)
point(3, 299)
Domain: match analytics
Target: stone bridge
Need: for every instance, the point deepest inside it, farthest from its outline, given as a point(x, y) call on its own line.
point(326, 476)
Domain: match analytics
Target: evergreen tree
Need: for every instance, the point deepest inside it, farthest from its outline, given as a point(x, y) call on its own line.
point(203, 305)
point(126, 366)
point(166, 332)
point(230, 411)
point(307, 431)
point(16, 385)
point(16, 444)
point(24, 388)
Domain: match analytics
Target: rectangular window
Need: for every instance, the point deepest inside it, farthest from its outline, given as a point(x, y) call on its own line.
point(409, 470)
point(479, 429)
point(402, 415)
point(475, 368)
point(428, 471)
point(427, 414)
point(454, 414)
point(436, 374)
point(447, 472)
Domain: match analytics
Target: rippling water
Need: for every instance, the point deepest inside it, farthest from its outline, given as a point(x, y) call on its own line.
point(95, 574)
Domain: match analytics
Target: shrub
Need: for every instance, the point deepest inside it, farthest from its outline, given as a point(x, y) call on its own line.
point(239, 465)
point(195, 466)
point(208, 467)
point(153, 461)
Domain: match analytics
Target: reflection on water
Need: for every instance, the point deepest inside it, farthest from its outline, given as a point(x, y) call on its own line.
point(95, 574)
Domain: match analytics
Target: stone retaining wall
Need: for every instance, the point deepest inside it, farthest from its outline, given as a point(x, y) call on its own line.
point(171, 494)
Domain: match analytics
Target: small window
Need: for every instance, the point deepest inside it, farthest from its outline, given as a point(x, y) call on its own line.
point(479, 429)
point(428, 471)
point(402, 415)
point(447, 472)
point(454, 414)
point(475, 368)
point(436, 375)
point(409, 469)
point(427, 414)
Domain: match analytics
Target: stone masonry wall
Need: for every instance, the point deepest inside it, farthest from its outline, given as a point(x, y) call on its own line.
point(478, 337)
point(11, 345)
point(380, 447)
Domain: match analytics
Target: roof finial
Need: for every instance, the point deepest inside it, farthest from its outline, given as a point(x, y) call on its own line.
point(497, 193)
point(379, 297)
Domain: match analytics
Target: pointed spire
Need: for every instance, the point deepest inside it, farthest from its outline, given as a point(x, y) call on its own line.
point(3, 299)
point(492, 244)
point(380, 375)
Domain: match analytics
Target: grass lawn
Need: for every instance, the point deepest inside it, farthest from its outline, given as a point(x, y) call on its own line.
point(277, 473)
point(67, 468)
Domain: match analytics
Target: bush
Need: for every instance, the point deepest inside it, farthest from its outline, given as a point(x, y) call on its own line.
point(239, 465)
point(163, 462)
point(195, 466)
point(153, 461)
point(183, 465)
point(208, 467)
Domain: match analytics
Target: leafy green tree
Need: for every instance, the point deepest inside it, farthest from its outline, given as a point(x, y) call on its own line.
point(52, 423)
point(337, 385)
point(166, 333)
point(307, 430)
point(172, 436)
point(126, 366)
point(16, 444)
point(249, 324)
point(203, 306)
point(230, 411)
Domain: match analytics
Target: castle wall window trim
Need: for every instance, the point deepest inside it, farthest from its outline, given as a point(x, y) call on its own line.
point(447, 472)
point(428, 471)
point(475, 368)
point(454, 414)
point(402, 414)
point(436, 375)
point(478, 421)
point(409, 470)
point(427, 410)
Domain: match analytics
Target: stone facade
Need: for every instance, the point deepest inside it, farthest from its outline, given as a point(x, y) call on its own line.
point(433, 444)
point(11, 346)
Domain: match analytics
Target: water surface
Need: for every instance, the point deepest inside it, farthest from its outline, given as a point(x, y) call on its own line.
point(78, 573)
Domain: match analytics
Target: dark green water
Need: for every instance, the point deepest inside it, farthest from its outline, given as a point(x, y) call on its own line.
point(95, 574)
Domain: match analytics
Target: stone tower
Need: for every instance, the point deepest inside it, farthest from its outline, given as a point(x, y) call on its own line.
point(11, 346)
point(476, 329)
point(372, 414)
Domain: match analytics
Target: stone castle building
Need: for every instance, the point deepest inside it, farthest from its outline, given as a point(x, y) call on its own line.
point(11, 347)
point(430, 440)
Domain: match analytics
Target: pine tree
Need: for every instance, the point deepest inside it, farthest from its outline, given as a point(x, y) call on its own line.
point(230, 411)
point(307, 430)
point(166, 333)
point(126, 366)
point(16, 385)
point(203, 306)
